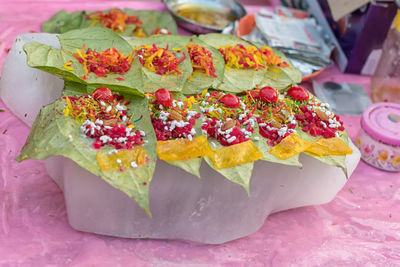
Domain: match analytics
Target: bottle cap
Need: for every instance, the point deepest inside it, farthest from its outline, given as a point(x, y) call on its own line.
point(382, 122)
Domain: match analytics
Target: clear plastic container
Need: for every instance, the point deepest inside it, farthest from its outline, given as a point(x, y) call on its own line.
point(385, 83)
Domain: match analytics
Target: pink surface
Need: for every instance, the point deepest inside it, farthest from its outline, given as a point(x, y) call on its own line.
point(360, 227)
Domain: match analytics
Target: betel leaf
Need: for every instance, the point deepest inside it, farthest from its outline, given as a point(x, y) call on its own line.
point(235, 80)
point(198, 81)
point(151, 81)
point(261, 144)
point(333, 160)
point(55, 134)
point(151, 21)
point(76, 89)
point(239, 174)
point(52, 60)
point(282, 77)
point(64, 21)
point(193, 165)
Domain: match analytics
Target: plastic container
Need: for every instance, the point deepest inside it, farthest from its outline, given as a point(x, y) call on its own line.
point(385, 83)
point(379, 137)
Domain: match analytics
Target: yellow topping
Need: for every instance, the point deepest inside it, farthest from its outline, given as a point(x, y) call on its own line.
point(122, 160)
point(294, 144)
point(181, 149)
point(247, 57)
point(231, 156)
point(330, 146)
point(290, 146)
point(67, 66)
point(139, 33)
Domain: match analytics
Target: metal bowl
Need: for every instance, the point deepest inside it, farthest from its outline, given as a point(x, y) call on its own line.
point(230, 6)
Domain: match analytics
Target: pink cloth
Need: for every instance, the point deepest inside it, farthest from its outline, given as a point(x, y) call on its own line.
point(361, 226)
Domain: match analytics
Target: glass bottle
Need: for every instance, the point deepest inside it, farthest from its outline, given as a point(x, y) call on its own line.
point(385, 83)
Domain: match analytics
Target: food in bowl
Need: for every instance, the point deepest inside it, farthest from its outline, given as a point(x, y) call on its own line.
point(205, 15)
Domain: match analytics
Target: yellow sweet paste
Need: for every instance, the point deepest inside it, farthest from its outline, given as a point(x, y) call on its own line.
point(122, 160)
point(236, 154)
point(181, 149)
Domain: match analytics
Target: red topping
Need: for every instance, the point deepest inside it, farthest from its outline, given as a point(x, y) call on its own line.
point(102, 63)
point(115, 133)
point(158, 59)
point(298, 93)
point(230, 101)
point(315, 126)
point(212, 129)
point(178, 132)
point(201, 59)
point(114, 19)
point(103, 93)
point(164, 97)
point(268, 94)
point(271, 133)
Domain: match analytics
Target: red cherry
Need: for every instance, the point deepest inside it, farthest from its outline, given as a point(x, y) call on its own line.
point(269, 94)
point(298, 93)
point(230, 101)
point(103, 93)
point(164, 97)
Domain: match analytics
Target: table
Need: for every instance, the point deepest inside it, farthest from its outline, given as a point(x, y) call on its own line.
point(360, 227)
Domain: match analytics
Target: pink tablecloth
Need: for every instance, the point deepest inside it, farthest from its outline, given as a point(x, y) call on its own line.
point(360, 227)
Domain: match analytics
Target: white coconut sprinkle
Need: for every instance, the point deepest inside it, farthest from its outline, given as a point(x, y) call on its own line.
point(114, 151)
point(133, 164)
point(122, 139)
point(231, 139)
point(105, 139)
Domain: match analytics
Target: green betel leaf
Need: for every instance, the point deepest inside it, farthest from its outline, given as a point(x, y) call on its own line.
point(55, 134)
point(198, 81)
point(333, 160)
point(52, 60)
point(152, 81)
point(276, 79)
point(191, 166)
point(76, 89)
point(63, 21)
point(239, 174)
point(235, 80)
point(151, 21)
point(280, 77)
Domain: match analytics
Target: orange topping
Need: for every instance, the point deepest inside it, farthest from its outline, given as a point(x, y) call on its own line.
point(201, 59)
point(102, 63)
point(114, 19)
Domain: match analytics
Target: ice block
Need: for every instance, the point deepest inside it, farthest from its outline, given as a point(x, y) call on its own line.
point(24, 90)
point(209, 210)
